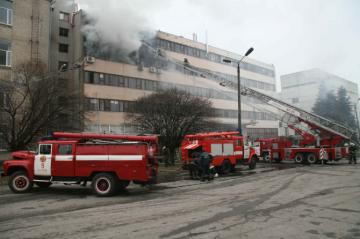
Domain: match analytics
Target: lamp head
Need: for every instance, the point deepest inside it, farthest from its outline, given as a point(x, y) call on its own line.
point(249, 51)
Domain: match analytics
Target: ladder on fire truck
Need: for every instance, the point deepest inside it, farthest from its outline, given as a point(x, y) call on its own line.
point(315, 122)
point(311, 119)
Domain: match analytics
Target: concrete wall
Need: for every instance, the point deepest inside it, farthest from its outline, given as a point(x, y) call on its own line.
point(19, 33)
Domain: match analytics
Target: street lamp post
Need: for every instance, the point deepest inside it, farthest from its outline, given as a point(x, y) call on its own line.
point(239, 86)
point(357, 120)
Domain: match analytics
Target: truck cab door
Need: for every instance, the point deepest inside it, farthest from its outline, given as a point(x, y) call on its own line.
point(63, 162)
point(42, 162)
point(246, 151)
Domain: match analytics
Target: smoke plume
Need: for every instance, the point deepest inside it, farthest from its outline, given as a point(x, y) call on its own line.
point(113, 29)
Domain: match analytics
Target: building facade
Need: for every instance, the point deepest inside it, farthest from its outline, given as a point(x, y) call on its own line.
point(24, 33)
point(303, 88)
point(40, 31)
point(24, 37)
point(111, 87)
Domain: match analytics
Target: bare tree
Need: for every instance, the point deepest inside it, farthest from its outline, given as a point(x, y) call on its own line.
point(37, 102)
point(172, 114)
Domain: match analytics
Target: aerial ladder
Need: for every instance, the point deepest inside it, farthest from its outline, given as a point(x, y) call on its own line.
point(334, 132)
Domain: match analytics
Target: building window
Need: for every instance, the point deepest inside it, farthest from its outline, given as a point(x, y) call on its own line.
point(93, 105)
point(114, 106)
point(6, 12)
point(63, 48)
point(64, 32)
point(5, 53)
point(91, 77)
point(64, 16)
point(63, 65)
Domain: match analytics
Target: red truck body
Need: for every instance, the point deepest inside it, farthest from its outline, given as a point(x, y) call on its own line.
point(69, 157)
point(304, 151)
point(226, 148)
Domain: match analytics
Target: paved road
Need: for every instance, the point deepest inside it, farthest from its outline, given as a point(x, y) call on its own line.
point(302, 202)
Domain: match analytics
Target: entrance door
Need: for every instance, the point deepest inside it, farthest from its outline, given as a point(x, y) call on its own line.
point(42, 163)
point(63, 162)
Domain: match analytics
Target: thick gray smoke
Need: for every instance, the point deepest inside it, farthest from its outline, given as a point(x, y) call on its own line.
point(113, 28)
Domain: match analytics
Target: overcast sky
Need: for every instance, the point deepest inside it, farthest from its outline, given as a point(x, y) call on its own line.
point(294, 35)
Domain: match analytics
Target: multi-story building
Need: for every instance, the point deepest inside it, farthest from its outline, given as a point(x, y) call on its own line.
point(66, 51)
point(24, 37)
point(110, 87)
point(303, 88)
point(40, 31)
point(24, 33)
point(66, 38)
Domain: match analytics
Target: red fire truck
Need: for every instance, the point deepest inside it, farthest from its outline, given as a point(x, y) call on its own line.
point(321, 139)
point(316, 139)
point(226, 148)
point(303, 148)
point(110, 162)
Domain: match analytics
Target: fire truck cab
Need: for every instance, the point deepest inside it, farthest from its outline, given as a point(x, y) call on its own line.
point(110, 162)
point(226, 148)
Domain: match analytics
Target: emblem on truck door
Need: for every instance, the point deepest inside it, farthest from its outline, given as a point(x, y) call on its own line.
point(42, 161)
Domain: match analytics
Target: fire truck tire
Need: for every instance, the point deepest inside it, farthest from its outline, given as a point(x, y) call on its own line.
point(311, 158)
point(299, 158)
point(252, 164)
point(225, 167)
point(123, 184)
point(43, 184)
point(19, 182)
point(104, 184)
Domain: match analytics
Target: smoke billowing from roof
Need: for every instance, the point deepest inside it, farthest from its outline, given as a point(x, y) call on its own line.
point(113, 29)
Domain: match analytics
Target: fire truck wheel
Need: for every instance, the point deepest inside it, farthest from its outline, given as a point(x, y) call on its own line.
point(299, 158)
point(43, 184)
point(252, 164)
point(19, 182)
point(266, 157)
point(123, 184)
point(104, 184)
point(311, 158)
point(225, 167)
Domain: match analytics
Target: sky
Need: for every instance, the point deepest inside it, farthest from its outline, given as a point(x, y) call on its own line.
point(294, 35)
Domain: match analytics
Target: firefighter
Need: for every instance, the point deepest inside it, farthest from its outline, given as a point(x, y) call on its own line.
point(194, 166)
point(205, 162)
point(352, 153)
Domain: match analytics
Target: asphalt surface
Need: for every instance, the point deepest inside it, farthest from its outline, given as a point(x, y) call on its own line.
point(282, 202)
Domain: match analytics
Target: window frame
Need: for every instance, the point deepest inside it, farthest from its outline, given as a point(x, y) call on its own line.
point(8, 15)
point(64, 16)
point(67, 153)
point(63, 30)
point(63, 48)
point(39, 153)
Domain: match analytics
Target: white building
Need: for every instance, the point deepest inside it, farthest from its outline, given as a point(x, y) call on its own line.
point(303, 88)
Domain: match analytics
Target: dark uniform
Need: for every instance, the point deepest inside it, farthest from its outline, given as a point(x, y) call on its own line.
point(194, 166)
point(352, 153)
point(205, 162)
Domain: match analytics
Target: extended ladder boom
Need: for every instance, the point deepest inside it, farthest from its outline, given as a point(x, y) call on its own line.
point(304, 116)
point(313, 120)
